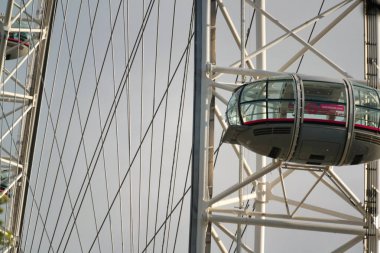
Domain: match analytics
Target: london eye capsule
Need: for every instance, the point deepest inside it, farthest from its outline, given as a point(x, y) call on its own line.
point(18, 42)
point(308, 120)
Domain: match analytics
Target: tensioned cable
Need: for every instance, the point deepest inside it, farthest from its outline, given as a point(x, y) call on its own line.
point(51, 149)
point(28, 183)
point(56, 141)
point(100, 126)
point(38, 213)
point(311, 34)
point(106, 129)
point(126, 53)
point(58, 148)
point(42, 150)
point(170, 214)
point(128, 98)
point(177, 142)
point(181, 208)
point(152, 131)
point(247, 35)
point(141, 131)
point(116, 129)
point(49, 101)
point(64, 145)
point(134, 50)
point(163, 136)
point(145, 134)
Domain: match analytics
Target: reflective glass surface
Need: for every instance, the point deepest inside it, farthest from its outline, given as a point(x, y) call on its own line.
point(367, 107)
point(233, 110)
point(272, 99)
point(325, 102)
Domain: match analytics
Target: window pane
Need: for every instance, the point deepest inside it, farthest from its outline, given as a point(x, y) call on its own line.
point(232, 109)
point(366, 106)
point(322, 91)
point(325, 111)
point(281, 89)
point(366, 116)
point(253, 111)
point(254, 91)
point(366, 97)
point(280, 109)
point(325, 101)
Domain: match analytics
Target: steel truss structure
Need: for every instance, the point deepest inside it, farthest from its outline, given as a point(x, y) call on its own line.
point(22, 80)
point(236, 214)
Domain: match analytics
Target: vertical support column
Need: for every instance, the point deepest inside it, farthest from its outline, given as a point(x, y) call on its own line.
point(371, 169)
point(260, 160)
point(211, 121)
point(241, 149)
point(201, 109)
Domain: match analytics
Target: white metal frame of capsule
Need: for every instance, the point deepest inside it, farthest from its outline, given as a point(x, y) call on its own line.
point(305, 119)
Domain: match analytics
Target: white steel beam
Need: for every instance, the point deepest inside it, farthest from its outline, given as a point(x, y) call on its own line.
point(15, 180)
point(247, 180)
point(19, 64)
point(11, 162)
point(261, 189)
point(14, 97)
point(225, 86)
point(288, 224)
point(300, 40)
point(232, 236)
point(350, 196)
point(348, 245)
point(218, 241)
point(15, 123)
point(314, 208)
point(308, 193)
point(21, 11)
point(245, 72)
point(246, 213)
point(295, 30)
point(320, 35)
point(233, 30)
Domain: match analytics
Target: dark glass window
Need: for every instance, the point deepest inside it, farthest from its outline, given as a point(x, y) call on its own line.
point(325, 102)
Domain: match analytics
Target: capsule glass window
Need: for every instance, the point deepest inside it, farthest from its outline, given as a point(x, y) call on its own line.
point(253, 112)
point(325, 102)
point(367, 107)
point(254, 92)
point(280, 104)
point(233, 110)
